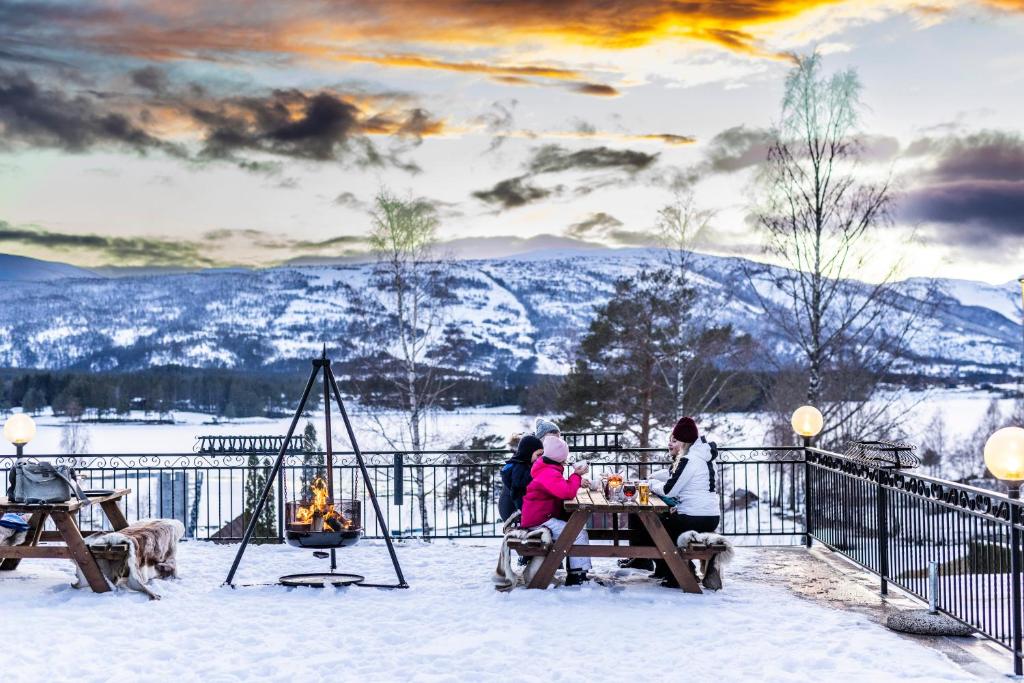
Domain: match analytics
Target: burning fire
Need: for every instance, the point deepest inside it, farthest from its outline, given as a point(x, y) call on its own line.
point(319, 512)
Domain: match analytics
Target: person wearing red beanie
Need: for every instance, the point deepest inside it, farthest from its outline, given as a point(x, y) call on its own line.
point(689, 486)
point(685, 431)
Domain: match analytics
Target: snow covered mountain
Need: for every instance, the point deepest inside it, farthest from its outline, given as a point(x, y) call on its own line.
point(23, 268)
point(522, 312)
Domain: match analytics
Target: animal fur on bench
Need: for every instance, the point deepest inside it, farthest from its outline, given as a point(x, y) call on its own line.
point(505, 577)
point(711, 569)
point(152, 550)
point(12, 536)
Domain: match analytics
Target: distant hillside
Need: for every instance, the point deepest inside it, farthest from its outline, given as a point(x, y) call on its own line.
point(521, 313)
point(25, 269)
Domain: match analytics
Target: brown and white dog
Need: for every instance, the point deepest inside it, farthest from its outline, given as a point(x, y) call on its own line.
point(152, 549)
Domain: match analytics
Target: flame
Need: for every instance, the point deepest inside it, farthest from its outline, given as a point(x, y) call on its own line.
point(322, 507)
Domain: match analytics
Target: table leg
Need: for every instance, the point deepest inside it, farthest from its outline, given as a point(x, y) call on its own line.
point(35, 529)
point(114, 514)
point(542, 579)
point(80, 551)
point(669, 552)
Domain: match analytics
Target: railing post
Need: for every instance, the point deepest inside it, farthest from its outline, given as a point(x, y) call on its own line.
point(399, 478)
point(808, 539)
point(280, 506)
point(1015, 608)
point(883, 534)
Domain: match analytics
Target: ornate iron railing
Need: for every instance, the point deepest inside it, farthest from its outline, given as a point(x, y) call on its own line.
point(894, 522)
point(431, 494)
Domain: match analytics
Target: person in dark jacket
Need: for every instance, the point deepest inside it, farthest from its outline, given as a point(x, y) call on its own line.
point(515, 475)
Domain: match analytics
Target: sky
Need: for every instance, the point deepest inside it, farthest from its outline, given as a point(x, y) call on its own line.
point(242, 132)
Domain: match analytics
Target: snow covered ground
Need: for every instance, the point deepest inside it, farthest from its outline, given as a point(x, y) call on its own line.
point(451, 625)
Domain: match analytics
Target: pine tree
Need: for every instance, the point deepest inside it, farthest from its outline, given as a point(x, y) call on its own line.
point(312, 460)
point(258, 472)
point(33, 401)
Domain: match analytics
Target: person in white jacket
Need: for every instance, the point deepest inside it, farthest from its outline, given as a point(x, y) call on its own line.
point(689, 484)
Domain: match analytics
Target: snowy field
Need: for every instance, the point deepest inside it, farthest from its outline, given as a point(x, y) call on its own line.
point(962, 410)
point(451, 625)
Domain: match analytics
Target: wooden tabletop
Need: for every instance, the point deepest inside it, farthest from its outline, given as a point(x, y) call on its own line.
point(595, 501)
point(70, 506)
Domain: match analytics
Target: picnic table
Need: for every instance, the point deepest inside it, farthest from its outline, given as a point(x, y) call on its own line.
point(73, 547)
point(588, 503)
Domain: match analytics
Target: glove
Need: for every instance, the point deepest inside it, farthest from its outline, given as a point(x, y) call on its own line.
point(582, 467)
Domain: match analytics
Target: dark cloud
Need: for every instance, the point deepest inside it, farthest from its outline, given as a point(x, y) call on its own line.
point(36, 117)
point(153, 251)
point(348, 200)
point(321, 130)
point(549, 159)
point(603, 227)
point(498, 122)
point(513, 192)
point(599, 89)
point(151, 78)
point(595, 222)
point(973, 193)
point(556, 159)
point(289, 123)
point(146, 251)
point(737, 148)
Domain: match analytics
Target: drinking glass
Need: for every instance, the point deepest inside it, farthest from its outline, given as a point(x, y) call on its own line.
point(629, 491)
point(643, 490)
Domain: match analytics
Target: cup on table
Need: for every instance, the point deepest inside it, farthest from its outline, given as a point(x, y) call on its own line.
point(629, 491)
point(643, 492)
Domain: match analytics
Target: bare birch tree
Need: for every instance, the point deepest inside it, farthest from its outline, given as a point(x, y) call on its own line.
point(709, 356)
point(818, 211)
point(407, 326)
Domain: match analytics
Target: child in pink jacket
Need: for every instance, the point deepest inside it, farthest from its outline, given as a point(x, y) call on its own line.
point(545, 495)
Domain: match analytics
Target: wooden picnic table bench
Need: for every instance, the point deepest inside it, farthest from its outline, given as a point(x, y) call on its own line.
point(74, 547)
point(588, 503)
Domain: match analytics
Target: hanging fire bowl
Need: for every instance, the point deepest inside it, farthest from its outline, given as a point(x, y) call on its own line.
point(324, 526)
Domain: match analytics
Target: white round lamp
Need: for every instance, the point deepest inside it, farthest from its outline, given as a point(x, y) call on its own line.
point(19, 430)
point(807, 421)
point(1004, 454)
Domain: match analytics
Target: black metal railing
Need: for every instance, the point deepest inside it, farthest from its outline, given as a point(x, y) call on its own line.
point(894, 522)
point(431, 494)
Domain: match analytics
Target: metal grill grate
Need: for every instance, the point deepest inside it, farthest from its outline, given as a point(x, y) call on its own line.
point(886, 454)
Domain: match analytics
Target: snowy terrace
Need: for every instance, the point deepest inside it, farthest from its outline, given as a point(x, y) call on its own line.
point(785, 614)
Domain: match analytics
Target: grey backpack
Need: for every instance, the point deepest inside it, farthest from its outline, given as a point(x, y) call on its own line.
point(41, 482)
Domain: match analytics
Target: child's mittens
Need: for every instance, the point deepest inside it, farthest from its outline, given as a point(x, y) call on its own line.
point(582, 467)
point(593, 484)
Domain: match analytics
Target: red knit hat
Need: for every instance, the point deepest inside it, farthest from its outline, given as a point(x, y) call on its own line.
point(685, 430)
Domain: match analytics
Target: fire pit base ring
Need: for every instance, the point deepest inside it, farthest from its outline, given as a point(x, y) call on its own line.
point(320, 580)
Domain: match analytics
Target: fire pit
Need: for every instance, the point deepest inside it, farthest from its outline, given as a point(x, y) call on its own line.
point(318, 523)
point(314, 519)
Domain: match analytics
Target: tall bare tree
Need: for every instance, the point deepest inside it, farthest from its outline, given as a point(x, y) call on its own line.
point(708, 356)
point(405, 324)
point(818, 210)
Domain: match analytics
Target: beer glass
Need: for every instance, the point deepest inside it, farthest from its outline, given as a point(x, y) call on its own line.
point(643, 491)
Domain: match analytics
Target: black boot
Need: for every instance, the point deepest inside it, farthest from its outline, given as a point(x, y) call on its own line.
point(575, 577)
point(637, 563)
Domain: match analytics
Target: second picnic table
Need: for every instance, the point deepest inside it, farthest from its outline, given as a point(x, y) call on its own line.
point(588, 503)
point(74, 547)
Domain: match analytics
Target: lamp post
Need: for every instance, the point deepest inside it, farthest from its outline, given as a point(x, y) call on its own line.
point(19, 430)
point(1004, 458)
point(807, 422)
